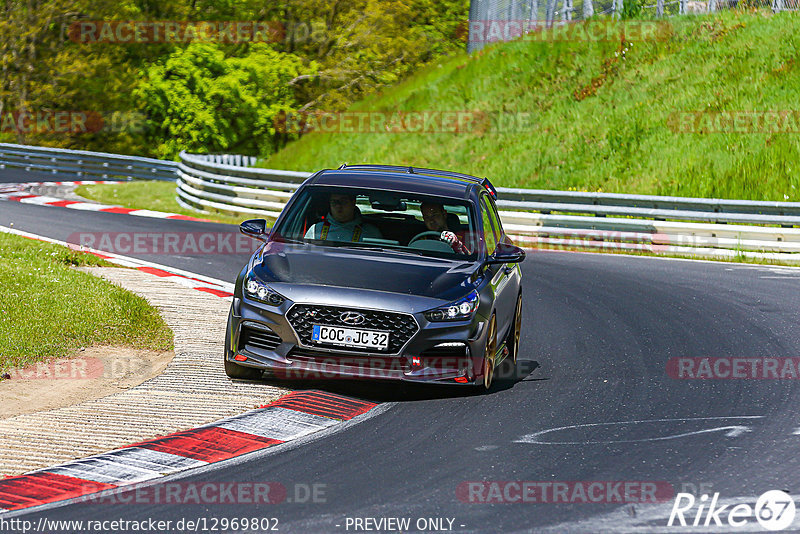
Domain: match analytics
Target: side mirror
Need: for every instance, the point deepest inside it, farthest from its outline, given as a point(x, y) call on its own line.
point(506, 253)
point(255, 228)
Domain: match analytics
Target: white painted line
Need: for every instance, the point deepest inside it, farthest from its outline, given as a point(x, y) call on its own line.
point(88, 206)
point(132, 464)
point(40, 200)
point(101, 470)
point(153, 460)
point(127, 261)
point(186, 282)
point(150, 213)
point(13, 190)
point(278, 423)
point(731, 431)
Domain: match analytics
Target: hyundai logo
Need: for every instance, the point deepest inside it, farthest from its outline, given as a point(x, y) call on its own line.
point(351, 317)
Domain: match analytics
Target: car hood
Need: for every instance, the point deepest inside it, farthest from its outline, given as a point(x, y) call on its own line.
point(288, 265)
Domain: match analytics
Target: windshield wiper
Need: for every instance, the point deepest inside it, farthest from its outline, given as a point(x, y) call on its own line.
point(380, 248)
point(289, 240)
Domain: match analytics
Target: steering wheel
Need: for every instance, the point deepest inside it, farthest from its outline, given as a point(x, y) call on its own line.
point(425, 235)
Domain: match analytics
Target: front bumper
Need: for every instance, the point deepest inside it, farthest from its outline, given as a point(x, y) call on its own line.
point(262, 337)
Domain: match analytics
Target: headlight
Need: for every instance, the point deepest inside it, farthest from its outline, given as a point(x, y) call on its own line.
point(459, 310)
point(258, 290)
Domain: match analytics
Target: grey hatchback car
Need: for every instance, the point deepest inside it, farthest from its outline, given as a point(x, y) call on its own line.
point(379, 272)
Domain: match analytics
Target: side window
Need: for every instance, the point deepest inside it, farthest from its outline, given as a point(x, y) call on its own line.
point(495, 218)
point(490, 233)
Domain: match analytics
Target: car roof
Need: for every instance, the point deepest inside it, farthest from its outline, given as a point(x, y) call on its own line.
point(405, 179)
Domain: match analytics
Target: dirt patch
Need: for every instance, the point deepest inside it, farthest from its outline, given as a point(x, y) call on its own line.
point(89, 374)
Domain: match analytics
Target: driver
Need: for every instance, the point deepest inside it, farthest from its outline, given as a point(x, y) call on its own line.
point(435, 218)
point(343, 222)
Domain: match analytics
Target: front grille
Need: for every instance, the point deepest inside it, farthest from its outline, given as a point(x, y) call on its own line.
point(401, 326)
point(259, 339)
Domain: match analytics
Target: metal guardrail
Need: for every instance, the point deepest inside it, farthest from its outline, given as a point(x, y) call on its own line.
point(82, 163)
point(544, 218)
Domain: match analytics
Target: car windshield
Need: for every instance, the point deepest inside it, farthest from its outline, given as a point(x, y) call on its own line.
point(369, 218)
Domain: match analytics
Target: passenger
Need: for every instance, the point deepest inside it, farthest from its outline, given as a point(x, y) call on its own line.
point(343, 222)
point(435, 218)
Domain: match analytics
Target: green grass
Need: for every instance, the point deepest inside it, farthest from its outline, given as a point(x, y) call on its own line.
point(151, 195)
point(48, 309)
point(620, 138)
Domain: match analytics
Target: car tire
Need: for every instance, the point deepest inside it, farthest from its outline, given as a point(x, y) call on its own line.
point(489, 353)
point(514, 335)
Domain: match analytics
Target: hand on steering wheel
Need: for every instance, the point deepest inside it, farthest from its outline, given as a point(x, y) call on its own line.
point(425, 235)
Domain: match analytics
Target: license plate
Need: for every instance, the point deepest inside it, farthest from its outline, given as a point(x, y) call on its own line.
point(350, 337)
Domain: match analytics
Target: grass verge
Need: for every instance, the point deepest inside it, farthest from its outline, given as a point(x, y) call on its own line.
point(605, 115)
point(149, 195)
point(48, 309)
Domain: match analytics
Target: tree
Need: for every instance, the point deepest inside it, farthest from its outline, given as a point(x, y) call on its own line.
point(202, 101)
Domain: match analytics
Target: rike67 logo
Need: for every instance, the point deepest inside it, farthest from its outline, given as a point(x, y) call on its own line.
point(774, 510)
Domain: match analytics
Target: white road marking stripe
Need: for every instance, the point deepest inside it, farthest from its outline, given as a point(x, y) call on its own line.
point(11, 191)
point(40, 200)
point(125, 466)
point(127, 260)
point(277, 423)
point(98, 470)
point(88, 206)
point(150, 213)
point(186, 282)
point(164, 462)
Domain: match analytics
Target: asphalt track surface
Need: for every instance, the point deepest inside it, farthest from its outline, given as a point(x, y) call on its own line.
point(598, 332)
